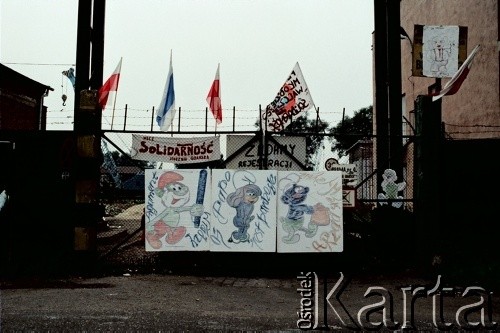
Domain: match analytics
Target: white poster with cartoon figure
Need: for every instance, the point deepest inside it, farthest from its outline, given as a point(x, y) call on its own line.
point(440, 50)
point(310, 211)
point(243, 210)
point(177, 214)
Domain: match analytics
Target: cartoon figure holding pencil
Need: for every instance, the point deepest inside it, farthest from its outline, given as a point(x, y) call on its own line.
point(174, 196)
point(243, 199)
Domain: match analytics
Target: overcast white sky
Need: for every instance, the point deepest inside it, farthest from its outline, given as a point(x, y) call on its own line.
point(256, 42)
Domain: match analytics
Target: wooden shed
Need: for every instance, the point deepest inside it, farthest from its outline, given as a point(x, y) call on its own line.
point(21, 101)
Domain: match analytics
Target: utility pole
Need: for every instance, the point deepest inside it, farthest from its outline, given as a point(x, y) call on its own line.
point(388, 97)
point(428, 166)
point(394, 92)
point(87, 126)
point(381, 86)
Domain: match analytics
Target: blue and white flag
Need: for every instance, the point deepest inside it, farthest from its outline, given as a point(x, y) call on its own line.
point(166, 111)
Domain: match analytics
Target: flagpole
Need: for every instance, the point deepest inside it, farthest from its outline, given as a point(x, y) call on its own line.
point(114, 102)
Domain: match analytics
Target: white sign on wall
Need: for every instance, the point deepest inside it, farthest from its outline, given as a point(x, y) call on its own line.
point(349, 173)
point(277, 159)
point(175, 150)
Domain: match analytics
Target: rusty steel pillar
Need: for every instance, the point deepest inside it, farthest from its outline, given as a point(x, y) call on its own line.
point(87, 126)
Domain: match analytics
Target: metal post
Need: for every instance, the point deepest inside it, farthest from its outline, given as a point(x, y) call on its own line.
point(152, 117)
point(82, 51)
point(234, 118)
point(206, 119)
point(125, 120)
point(428, 167)
point(394, 78)
point(381, 100)
point(97, 34)
point(179, 121)
point(87, 127)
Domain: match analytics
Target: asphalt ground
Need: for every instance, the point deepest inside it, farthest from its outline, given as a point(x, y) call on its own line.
point(194, 296)
point(131, 290)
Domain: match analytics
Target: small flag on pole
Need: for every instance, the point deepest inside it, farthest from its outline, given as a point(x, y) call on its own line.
point(452, 86)
point(292, 99)
point(166, 111)
point(213, 98)
point(111, 84)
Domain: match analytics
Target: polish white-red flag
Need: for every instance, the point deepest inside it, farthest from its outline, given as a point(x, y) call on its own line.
point(452, 86)
point(213, 98)
point(111, 84)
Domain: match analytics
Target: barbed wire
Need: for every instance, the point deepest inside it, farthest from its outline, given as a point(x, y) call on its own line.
point(473, 132)
point(475, 125)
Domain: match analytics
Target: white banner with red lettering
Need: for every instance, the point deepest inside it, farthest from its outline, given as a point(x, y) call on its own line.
point(175, 150)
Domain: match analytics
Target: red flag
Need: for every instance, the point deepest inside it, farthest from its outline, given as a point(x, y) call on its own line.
point(452, 86)
point(213, 98)
point(110, 85)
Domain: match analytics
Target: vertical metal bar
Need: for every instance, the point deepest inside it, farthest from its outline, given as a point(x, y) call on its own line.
point(179, 121)
point(381, 103)
point(97, 36)
point(260, 119)
point(82, 52)
point(262, 149)
point(206, 119)
point(152, 118)
point(234, 118)
point(394, 92)
point(125, 120)
point(317, 119)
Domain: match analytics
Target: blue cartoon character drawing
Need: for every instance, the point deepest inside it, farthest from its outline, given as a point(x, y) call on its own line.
point(294, 197)
point(243, 200)
point(174, 196)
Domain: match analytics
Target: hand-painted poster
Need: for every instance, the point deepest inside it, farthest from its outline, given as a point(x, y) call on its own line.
point(175, 150)
point(177, 210)
point(438, 51)
point(290, 102)
point(310, 211)
point(244, 210)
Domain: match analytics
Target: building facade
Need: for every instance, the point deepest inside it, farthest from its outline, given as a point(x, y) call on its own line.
point(474, 111)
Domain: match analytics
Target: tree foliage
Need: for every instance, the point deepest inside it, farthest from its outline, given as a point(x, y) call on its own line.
point(313, 142)
point(126, 160)
point(347, 132)
point(304, 125)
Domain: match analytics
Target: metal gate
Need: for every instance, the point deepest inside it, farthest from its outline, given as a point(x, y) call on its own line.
point(120, 237)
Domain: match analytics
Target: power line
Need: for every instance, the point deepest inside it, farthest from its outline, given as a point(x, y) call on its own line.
point(36, 64)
